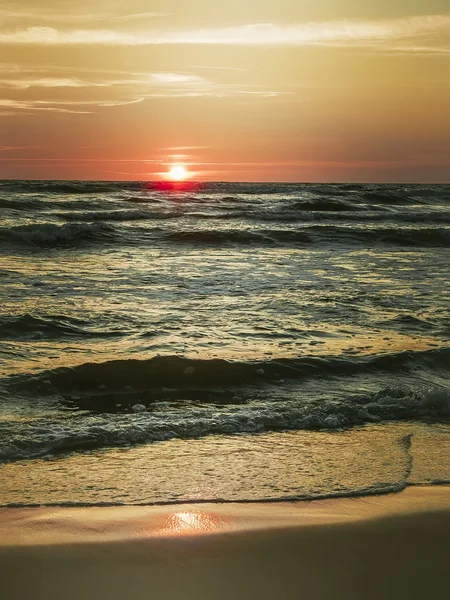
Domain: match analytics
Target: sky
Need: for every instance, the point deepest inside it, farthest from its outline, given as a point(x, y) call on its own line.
point(240, 90)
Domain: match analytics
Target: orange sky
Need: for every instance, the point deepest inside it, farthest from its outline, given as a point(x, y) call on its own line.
point(251, 90)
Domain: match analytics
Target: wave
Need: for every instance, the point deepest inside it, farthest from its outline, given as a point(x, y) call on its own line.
point(313, 211)
point(53, 235)
point(327, 204)
point(405, 320)
point(375, 193)
point(98, 232)
point(236, 236)
point(32, 327)
point(400, 218)
point(429, 236)
point(25, 204)
point(175, 370)
point(31, 439)
point(439, 237)
point(119, 215)
point(69, 187)
point(387, 197)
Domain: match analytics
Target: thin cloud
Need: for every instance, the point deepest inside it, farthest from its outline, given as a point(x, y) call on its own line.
point(143, 79)
point(416, 49)
point(15, 106)
point(78, 159)
point(71, 107)
point(90, 102)
point(334, 33)
point(48, 82)
point(169, 78)
point(144, 15)
point(183, 148)
point(217, 68)
point(143, 86)
point(219, 92)
point(15, 148)
point(12, 14)
point(33, 69)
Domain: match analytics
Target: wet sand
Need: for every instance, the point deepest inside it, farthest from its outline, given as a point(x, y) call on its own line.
point(393, 546)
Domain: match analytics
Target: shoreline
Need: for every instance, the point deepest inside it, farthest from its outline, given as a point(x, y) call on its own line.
point(388, 490)
point(384, 546)
point(316, 465)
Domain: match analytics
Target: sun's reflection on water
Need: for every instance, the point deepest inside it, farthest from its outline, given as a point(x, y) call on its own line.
point(188, 523)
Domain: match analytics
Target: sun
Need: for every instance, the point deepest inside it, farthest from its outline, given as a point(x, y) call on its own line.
point(178, 173)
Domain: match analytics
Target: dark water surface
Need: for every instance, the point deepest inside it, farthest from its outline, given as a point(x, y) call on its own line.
point(258, 318)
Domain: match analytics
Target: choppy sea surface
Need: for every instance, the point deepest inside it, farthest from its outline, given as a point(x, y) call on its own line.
point(222, 342)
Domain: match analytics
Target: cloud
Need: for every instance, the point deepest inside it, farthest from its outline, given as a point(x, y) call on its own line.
point(157, 84)
point(11, 13)
point(180, 85)
point(50, 36)
point(52, 68)
point(47, 82)
point(183, 148)
point(217, 68)
point(219, 92)
point(136, 79)
point(144, 15)
point(14, 148)
point(139, 86)
point(414, 49)
point(15, 106)
point(168, 78)
point(334, 33)
point(71, 107)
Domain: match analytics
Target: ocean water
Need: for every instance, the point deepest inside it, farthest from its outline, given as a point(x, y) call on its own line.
point(222, 342)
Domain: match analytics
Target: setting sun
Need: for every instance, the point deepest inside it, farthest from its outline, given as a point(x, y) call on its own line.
point(178, 173)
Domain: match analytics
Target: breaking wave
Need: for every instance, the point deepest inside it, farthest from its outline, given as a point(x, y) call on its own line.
point(35, 438)
point(176, 370)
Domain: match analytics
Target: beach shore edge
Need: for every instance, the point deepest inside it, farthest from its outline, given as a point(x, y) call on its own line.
point(390, 546)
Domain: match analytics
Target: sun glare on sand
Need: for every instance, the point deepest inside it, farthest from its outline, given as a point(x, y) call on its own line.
point(178, 173)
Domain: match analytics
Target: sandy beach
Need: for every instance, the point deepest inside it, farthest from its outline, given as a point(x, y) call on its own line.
point(392, 546)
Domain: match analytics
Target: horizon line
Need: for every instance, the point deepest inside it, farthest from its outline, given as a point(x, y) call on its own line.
point(192, 181)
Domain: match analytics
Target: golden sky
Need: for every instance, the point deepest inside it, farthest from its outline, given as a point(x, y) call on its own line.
point(286, 90)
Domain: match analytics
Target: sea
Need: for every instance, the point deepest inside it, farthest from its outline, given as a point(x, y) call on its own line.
point(219, 342)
